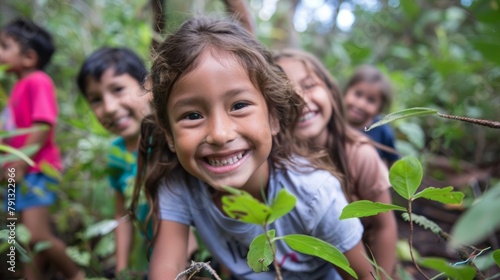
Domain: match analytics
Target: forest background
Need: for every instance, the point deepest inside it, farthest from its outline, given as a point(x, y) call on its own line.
point(442, 54)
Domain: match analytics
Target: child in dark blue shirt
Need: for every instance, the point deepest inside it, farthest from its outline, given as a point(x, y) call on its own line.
point(368, 93)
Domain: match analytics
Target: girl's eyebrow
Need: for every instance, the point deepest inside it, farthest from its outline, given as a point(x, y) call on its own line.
point(187, 101)
point(306, 78)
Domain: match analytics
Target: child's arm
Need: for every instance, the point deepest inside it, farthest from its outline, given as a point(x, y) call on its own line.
point(169, 251)
point(239, 10)
point(123, 233)
point(359, 263)
point(38, 137)
point(384, 235)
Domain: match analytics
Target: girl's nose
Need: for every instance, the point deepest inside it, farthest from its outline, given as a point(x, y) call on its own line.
point(220, 130)
point(111, 104)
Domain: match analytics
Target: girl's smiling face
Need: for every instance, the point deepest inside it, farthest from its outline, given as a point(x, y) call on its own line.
point(313, 123)
point(221, 129)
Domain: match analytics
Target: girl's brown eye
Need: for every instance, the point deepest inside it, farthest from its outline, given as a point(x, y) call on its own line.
point(239, 106)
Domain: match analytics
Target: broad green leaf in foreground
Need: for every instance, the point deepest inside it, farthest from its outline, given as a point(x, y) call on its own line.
point(319, 248)
point(245, 208)
point(260, 254)
point(444, 195)
point(412, 112)
point(283, 204)
point(496, 257)
point(482, 215)
point(364, 208)
point(405, 176)
point(460, 272)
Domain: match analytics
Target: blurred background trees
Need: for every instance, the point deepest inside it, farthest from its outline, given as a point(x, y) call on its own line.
point(441, 54)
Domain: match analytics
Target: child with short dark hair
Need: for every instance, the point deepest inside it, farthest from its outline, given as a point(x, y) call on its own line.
point(111, 80)
point(26, 48)
point(368, 94)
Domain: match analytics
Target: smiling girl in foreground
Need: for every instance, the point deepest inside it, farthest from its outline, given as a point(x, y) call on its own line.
point(226, 112)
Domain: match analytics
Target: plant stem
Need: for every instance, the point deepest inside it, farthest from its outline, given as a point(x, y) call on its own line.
point(275, 262)
point(488, 123)
point(410, 241)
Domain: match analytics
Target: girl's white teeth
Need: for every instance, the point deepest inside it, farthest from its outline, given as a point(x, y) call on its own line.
point(121, 120)
point(306, 117)
point(225, 161)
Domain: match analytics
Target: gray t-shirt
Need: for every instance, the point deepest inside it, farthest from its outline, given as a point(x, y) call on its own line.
point(320, 200)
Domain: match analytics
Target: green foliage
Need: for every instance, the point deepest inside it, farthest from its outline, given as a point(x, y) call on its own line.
point(405, 176)
point(482, 215)
point(319, 248)
point(406, 113)
point(443, 195)
point(454, 272)
point(423, 222)
point(16, 154)
point(364, 208)
point(496, 257)
point(260, 254)
point(245, 208)
point(100, 228)
point(281, 205)
point(242, 206)
point(40, 246)
point(78, 256)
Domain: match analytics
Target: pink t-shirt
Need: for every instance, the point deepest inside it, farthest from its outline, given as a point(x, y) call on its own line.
point(33, 99)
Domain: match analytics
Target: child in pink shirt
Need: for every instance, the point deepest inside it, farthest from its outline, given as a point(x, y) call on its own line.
point(26, 48)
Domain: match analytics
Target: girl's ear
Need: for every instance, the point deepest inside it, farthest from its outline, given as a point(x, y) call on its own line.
point(274, 123)
point(29, 58)
point(170, 141)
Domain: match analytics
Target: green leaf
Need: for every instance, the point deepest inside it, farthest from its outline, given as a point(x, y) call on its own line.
point(49, 170)
point(260, 253)
point(412, 112)
point(482, 215)
point(364, 208)
point(454, 272)
point(23, 235)
point(423, 222)
point(283, 204)
point(245, 208)
point(405, 176)
point(32, 149)
point(105, 247)
point(101, 228)
point(319, 248)
point(22, 131)
point(40, 246)
point(4, 246)
point(81, 258)
point(444, 195)
point(496, 257)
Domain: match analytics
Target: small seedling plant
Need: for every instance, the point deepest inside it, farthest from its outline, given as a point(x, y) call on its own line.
point(242, 206)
